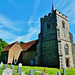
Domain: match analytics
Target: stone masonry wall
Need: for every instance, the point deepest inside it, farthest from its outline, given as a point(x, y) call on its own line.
point(28, 56)
point(4, 57)
point(47, 44)
point(49, 54)
point(14, 53)
point(73, 52)
point(64, 38)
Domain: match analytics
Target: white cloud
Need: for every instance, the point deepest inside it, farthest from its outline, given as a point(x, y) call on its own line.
point(6, 35)
point(72, 21)
point(14, 3)
point(69, 7)
point(36, 6)
point(58, 3)
point(74, 37)
point(28, 36)
point(5, 22)
point(63, 4)
point(27, 22)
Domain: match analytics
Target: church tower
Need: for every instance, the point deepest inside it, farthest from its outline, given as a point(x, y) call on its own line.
point(54, 46)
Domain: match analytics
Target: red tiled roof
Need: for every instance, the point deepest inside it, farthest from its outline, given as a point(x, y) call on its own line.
point(8, 47)
point(26, 46)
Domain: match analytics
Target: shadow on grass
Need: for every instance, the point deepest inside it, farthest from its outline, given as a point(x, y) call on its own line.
point(61, 73)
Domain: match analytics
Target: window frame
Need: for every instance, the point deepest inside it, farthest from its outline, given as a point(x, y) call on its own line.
point(48, 25)
point(66, 48)
point(63, 24)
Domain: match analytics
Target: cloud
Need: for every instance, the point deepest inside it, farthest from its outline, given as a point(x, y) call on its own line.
point(74, 38)
point(10, 36)
point(28, 36)
point(36, 6)
point(14, 3)
point(5, 22)
point(72, 21)
point(63, 4)
point(6, 35)
point(69, 7)
point(27, 22)
point(58, 3)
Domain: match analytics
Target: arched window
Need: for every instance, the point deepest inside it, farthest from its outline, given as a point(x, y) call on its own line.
point(63, 24)
point(66, 49)
point(48, 25)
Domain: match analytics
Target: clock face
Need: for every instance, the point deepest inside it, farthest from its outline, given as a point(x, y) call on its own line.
point(7, 71)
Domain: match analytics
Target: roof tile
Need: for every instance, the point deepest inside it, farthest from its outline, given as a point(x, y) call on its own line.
point(8, 47)
point(26, 46)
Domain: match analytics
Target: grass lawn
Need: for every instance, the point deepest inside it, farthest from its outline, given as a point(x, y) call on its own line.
point(49, 71)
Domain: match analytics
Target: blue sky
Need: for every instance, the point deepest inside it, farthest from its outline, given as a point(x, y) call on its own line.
point(20, 19)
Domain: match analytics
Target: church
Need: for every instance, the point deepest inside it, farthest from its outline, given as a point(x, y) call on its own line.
point(53, 48)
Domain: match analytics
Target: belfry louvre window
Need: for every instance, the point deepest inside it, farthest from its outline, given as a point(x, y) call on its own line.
point(48, 26)
point(63, 24)
point(58, 33)
point(66, 49)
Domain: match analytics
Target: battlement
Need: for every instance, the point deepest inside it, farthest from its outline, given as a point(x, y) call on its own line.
point(56, 12)
point(61, 15)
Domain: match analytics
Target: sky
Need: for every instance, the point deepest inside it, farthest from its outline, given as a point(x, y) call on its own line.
point(20, 19)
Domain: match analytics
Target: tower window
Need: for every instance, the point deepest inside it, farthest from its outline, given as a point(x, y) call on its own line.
point(48, 25)
point(58, 33)
point(63, 24)
point(66, 50)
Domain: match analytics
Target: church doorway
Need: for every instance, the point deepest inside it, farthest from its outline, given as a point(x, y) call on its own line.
point(67, 63)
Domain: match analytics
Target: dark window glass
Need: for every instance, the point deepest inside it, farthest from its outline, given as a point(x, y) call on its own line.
point(63, 24)
point(48, 26)
point(66, 50)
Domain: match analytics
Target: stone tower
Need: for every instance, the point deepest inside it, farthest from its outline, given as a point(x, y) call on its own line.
point(54, 46)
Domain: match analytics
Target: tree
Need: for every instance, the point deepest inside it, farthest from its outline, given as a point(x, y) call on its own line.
point(21, 42)
point(3, 44)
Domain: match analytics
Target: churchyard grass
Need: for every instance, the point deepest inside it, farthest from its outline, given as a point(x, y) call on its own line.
point(49, 71)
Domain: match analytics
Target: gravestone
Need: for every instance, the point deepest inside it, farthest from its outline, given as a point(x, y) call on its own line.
point(7, 71)
point(22, 73)
point(20, 64)
point(0, 65)
point(59, 73)
point(5, 65)
point(12, 66)
point(19, 69)
point(31, 72)
point(64, 71)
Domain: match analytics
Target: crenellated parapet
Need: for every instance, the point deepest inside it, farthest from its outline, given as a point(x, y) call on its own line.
point(61, 15)
point(54, 13)
point(47, 16)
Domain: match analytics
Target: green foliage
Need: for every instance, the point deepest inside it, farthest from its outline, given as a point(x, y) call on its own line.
point(3, 44)
point(21, 42)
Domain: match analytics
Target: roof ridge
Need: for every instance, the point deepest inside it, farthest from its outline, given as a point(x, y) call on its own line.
point(29, 42)
point(26, 46)
point(8, 47)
